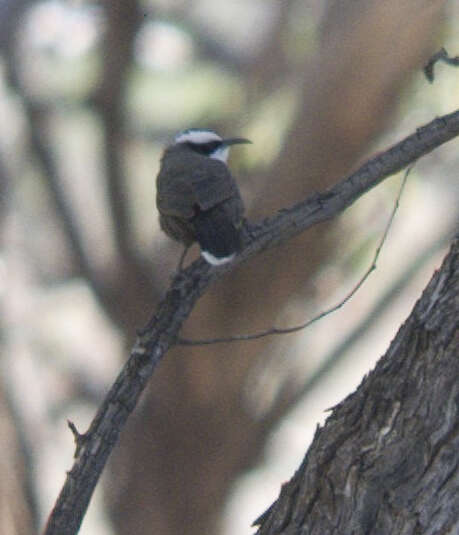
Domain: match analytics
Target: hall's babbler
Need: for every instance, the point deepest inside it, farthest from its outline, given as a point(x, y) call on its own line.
point(197, 198)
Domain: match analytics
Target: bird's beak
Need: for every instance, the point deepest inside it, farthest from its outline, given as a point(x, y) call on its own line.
point(235, 141)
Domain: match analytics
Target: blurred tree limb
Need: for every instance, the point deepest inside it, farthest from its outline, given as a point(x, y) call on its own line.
point(122, 288)
point(123, 20)
point(94, 447)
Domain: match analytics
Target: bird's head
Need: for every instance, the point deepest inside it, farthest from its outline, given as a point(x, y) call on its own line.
point(207, 142)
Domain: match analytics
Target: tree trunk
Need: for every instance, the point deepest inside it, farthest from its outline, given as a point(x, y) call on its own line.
point(386, 461)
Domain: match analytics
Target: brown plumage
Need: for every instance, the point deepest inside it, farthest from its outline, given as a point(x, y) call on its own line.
point(198, 199)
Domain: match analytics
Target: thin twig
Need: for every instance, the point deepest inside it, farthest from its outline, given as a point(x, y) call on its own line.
point(337, 354)
point(441, 55)
point(301, 326)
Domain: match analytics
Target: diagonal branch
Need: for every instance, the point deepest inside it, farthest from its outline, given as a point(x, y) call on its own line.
point(305, 324)
point(161, 332)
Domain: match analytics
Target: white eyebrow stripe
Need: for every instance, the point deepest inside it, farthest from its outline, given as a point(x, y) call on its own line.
point(197, 136)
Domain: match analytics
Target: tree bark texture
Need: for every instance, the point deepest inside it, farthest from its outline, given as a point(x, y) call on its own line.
point(386, 461)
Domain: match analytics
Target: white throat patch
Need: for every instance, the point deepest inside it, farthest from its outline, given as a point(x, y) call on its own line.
point(220, 154)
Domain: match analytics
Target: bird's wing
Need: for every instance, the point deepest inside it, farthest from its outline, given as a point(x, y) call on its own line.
point(193, 181)
point(174, 194)
point(212, 183)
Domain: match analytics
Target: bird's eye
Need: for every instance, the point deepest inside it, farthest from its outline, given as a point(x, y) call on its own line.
point(204, 148)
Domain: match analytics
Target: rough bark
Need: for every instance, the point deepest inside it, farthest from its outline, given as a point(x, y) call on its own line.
point(386, 461)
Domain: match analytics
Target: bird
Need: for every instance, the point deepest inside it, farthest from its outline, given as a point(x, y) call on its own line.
point(197, 198)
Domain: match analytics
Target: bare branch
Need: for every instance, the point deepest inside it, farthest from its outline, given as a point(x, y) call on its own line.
point(441, 55)
point(162, 330)
point(334, 308)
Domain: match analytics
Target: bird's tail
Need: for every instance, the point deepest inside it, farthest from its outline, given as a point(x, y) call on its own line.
point(218, 236)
